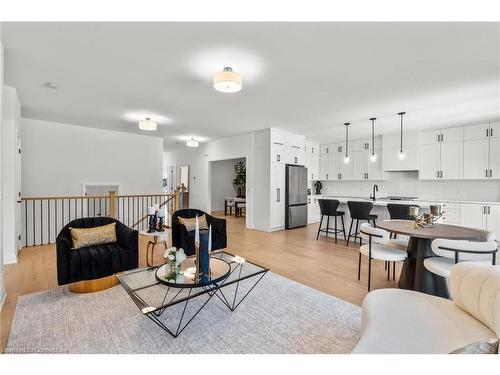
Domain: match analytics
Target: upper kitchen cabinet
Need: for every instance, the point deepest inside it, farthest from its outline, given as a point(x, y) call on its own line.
point(294, 149)
point(390, 151)
point(311, 152)
point(363, 166)
point(441, 154)
point(482, 151)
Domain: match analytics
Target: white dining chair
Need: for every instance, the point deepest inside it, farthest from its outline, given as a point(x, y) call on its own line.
point(376, 248)
point(450, 252)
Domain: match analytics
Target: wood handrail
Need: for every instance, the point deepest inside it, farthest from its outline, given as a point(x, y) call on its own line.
point(95, 196)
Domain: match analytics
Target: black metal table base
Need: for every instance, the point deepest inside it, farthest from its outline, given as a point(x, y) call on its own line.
point(231, 301)
point(415, 276)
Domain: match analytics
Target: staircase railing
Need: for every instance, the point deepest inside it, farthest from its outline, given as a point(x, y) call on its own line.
point(43, 217)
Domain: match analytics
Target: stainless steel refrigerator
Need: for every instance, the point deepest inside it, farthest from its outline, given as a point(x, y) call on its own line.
point(295, 196)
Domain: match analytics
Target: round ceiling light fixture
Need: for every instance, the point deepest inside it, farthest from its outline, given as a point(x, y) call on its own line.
point(192, 143)
point(51, 85)
point(227, 81)
point(147, 124)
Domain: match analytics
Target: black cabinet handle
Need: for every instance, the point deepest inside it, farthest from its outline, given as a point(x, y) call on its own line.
point(277, 194)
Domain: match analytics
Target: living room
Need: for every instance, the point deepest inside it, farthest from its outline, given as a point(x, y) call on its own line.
point(228, 183)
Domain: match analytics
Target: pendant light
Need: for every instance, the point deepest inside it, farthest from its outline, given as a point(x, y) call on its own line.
point(347, 159)
point(402, 154)
point(373, 156)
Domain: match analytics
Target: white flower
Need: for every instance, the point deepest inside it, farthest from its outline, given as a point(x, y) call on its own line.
point(165, 254)
point(171, 257)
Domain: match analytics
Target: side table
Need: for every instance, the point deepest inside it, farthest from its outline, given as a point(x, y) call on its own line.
point(155, 238)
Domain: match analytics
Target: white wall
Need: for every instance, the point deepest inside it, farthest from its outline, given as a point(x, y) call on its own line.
point(11, 170)
point(408, 184)
point(2, 292)
point(238, 146)
point(59, 158)
point(222, 175)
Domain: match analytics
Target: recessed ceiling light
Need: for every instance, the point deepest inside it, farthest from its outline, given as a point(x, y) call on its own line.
point(227, 81)
point(147, 124)
point(192, 143)
point(51, 85)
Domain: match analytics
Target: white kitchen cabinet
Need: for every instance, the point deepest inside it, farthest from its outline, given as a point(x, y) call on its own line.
point(277, 220)
point(481, 216)
point(313, 211)
point(324, 166)
point(452, 160)
point(360, 167)
point(277, 152)
point(495, 157)
point(430, 156)
point(473, 215)
point(493, 220)
point(441, 154)
point(311, 160)
point(481, 151)
point(478, 131)
point(476, 159)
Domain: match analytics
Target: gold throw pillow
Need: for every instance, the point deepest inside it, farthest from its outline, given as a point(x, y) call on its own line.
point(190, 224)
point(83, 237)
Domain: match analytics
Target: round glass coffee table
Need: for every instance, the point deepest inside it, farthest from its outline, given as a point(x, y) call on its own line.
point(219, 271)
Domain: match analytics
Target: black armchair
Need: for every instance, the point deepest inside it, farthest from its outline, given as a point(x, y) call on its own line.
point(94, 262)
point(182, 238)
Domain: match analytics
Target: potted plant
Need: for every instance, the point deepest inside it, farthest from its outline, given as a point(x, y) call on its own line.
point(240, 179)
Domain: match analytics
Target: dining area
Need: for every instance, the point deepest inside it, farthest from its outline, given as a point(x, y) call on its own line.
point(410, 238)
point(238, 204)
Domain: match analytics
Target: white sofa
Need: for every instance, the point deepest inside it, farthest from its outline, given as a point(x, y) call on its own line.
point(403, 321)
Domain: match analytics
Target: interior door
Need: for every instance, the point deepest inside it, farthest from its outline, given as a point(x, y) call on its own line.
point(452, 160)
point(429, 161)
point(476, 156)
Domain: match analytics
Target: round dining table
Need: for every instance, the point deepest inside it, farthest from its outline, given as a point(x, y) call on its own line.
point(414, 275)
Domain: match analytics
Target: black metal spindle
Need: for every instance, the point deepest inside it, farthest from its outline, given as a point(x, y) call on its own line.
point(26, 223)
point(55, 215)
point(48, 219)
point(41, 222)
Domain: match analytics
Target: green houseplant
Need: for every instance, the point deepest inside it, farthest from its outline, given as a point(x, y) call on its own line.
point(240, 178)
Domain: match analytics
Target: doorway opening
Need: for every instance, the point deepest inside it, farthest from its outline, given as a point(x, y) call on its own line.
point(228, 188)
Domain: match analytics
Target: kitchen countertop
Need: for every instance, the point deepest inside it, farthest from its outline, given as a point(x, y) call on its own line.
point(383, 202)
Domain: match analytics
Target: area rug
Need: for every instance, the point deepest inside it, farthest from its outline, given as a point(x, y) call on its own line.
point(279, 316)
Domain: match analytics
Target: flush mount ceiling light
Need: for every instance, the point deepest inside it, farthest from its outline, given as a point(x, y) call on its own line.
point(227, 81)
point(147, 124)
point(51, 85)
point(347, 159)
point(192, 143)
point(373, 156)
point(402, 154)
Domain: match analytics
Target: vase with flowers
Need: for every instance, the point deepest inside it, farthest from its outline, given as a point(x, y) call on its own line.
point(173, 258)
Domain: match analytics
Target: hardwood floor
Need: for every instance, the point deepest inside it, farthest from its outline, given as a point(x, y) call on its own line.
point(294, 254)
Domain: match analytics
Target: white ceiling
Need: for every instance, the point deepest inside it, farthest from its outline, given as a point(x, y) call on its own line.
point(308, 78)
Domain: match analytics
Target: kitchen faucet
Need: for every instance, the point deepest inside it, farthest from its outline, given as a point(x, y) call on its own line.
point(375, 188)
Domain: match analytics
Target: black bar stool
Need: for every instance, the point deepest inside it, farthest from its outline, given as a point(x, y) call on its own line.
point(359, 211)
point(328, 207)
point(399, 212)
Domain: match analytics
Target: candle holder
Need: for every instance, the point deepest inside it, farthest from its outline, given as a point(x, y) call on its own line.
point(152, 223)
point(161, 218)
